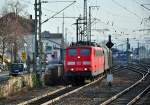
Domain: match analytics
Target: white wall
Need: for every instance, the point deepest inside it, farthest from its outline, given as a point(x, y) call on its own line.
point(56, 45)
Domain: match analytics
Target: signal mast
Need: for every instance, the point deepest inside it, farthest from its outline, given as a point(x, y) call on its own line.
point(82, 26)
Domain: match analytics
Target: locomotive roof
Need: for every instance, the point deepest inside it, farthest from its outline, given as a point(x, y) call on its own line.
point(83, 46)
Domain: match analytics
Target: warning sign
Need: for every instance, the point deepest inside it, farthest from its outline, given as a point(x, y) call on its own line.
point(109, 77)
point(24, 56)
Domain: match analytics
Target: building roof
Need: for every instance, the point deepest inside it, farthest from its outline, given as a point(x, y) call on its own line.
point(47, 34)
point(16, 25)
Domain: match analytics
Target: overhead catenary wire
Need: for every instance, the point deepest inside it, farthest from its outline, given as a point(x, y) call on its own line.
point(113, 27)
point(106, 23)
point(126, 9)
point(30, 3)
point(142, 5)
point(54, 1)
point(78, 8)
point(58, 12)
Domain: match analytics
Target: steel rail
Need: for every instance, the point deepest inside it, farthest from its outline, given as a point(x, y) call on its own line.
point(71, 92)
point(125, 90)
point(45, 95)
point(138, 97)
point(116, 67)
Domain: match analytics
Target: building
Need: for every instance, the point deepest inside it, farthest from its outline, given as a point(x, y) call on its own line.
point(18, 32)
point(53, 46)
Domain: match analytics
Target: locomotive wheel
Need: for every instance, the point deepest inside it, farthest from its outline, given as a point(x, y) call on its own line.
point(79, 81)
point(67, 80)
point(92, 79)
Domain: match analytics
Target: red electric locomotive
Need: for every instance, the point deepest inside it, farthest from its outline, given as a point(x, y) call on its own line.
point(85, 62)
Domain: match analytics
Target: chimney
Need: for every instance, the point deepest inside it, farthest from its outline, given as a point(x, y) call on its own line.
point(31, 17)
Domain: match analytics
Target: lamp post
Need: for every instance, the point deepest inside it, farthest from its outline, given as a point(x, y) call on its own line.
point(25, 56)
point(25, 47)
point(12, 51)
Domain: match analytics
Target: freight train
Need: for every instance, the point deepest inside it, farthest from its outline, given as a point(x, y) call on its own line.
point(86, 61)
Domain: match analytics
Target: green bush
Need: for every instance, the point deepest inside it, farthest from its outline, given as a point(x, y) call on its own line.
point(36, 80)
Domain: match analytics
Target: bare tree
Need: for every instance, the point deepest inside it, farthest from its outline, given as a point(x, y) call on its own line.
point(10, 35)
point(14, 6)
point(3, 39)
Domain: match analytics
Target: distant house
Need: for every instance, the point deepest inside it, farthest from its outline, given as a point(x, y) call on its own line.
point(16, 25)
point(53, 44)
point(19, 30)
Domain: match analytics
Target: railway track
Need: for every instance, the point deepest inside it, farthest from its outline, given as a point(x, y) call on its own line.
point(133, 93)
point(143, 97)
point(57, 95)
point(144, 100)
point(97, 93)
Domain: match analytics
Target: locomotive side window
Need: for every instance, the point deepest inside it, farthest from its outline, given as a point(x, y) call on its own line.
point(85, 52)
point(72, 52)
point(98, 53)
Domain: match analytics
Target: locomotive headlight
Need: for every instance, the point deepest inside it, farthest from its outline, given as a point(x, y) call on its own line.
point(72, 69)
point(86, 62)
point(71, 63)
point(85, 69)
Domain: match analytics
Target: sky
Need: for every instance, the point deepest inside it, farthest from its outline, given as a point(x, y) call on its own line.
point(123, 18)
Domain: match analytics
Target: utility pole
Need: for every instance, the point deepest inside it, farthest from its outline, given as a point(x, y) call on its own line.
point(77, 29)
point(40, 37)
point(81, 25)
point(38, 40)
point(127, 51)
point(89, 36)
point(35, 40)
point(89, 26)
point(63, 25)
point(85, 22)
point(66, 35)
point(138, 50)
point(39, 56)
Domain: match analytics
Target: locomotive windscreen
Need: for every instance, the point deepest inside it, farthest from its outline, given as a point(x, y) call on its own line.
point(84, 52)
point(72, 52)
point(80, 51)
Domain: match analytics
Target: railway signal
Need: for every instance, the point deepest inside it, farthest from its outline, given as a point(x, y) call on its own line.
point(109, 44)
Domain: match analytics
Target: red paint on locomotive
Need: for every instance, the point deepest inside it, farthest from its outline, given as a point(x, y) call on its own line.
point(84, 61)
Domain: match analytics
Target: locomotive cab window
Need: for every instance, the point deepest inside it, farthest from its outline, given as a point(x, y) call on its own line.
point(98, 53)
point(72, 52)
point(84, 52)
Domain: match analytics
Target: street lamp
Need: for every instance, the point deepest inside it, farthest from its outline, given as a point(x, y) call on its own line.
point(12, 52)
point(25, 47)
